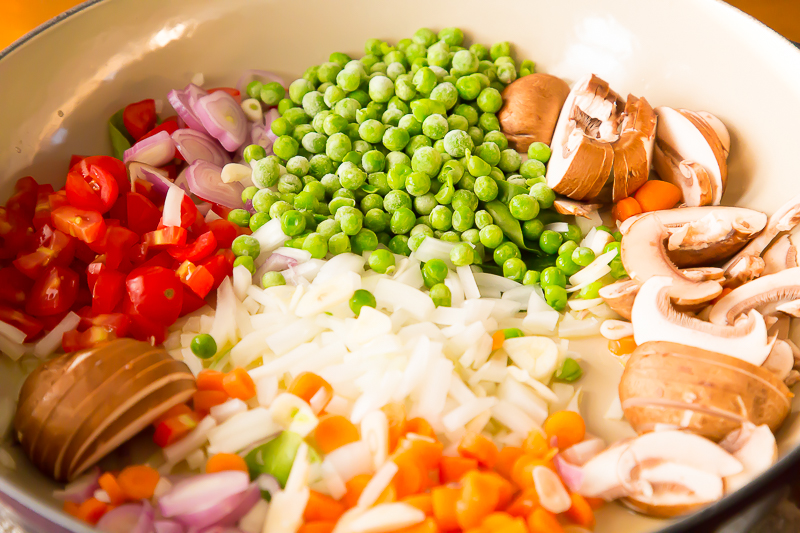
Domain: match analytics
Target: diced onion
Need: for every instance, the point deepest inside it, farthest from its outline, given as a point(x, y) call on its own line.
point(467, 278)
point(432, 248)
point(11, 333)
point(558, 227)
point(592, 272)
point(52, 341)
point(172, 207)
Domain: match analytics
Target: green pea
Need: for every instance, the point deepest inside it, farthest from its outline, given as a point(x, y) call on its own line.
point(510, 160)
point(371, 201)
point(550, 241)
point(396, 200)
point(450, 236)
point(350, 176)
point(320, 165)
point(425, 107)
point(556, 297)
point(414, 241)
point(570, 371)
point(445, 93)
point(258, 220)
point(298, 166)
point(489, 152)
point(617, 268)
point(504, 252)
point(455, 122)
point(293, 223)
point(396, 178)
point(427, 160)
point(573, 233)
point(463, 219)
point(350, 218)
point(452, 36)
point(465, 62)
point(514, 268)
point(458, 143)
point(439, 54)
point(338, 146)
point(416, 142)
point(380, 181)
point(278, 208)
point(552, 276)
point(617, 236)
point(424, 37)
point(402, 221)
point(301, 131)
point(434, 271)
point(284, 105)
point(523, 207)
point(272, 279)
point(240, 217)
point(477, 167)
point(543, 194)
point(280, 126)
point(417, 183)
point(531, 277)
point(612, 246)
point(532, 168)
point(399, 245)
point(435, 126)
point(270, 93)
point(339, 243)
point(539, 151)
point(489, 100)
point(285, 147)
point(203, 346)
point(491, 236)
point(479, 50)
point(486, 189)
point(468, 112)
point(376, 220)
point(472, 236)
point(483, 219)
point(364, 241)
point(395, 139)
point(362, 298)
point(591, 291)
point(462, 254)
point(582, 256)
point(440, 294)
point(464, 199)
point(424, 80)
point(476, 134)
point(247, 262)
point(289, 183)
point(316, 245)
point(328, 227)
point(567, 248)
point(305, 201)
point(381, 88)
point(410, 124)
point(567, 265)
point(382, 261)
point(441, 218)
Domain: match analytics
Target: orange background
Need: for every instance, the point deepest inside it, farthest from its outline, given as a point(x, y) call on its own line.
point(20, 16)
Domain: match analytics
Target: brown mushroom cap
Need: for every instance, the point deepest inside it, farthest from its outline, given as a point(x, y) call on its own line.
point(780, 255)
point(705, 392)
point(633, 150)
point(574, 208)
point(764, 294)
point(620, 296)
point(531, 106)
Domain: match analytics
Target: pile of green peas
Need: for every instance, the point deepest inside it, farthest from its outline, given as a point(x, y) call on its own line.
point(401, 145)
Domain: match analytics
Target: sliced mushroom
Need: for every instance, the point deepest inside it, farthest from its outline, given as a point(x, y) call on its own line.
point(780, 360)
point(719, 128)
point(644, 256)
point(754, 447)
point(633, 151)
point(675, 490)
point(705, 392)
point(764, 295)
point(615, 330)
point(704, 273)
point(654, 319)
point(620, 296)
point(690, 154)
point(531, 108)
point(780, 255)
point(702, 235)
point(571, 207)
point(743, 271)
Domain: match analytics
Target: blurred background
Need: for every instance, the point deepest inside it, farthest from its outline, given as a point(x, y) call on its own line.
point(17, 17)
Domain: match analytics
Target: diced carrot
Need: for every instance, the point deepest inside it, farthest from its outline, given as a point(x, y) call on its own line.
point(138, 481)
point(425, 452)
point(444, 501)
point(109, 484)
point(542, 521)
point(477, 530)
point(239, 384)
point(479, 497)
point(625, 209)
point(427, 526)
point(396, 415)
point(595, 503)
point(389, 495)
point(581, 512)
point(495, 521)
point(498, 338)
point(221, 462)
point(505, 490)
point(334, 431)
point(410, 477)
point(420, 426)
point(451, 469)
point(210, 380)
point(655, 195)
point(516, 526)
point(176, 410)
point(72, 509)
point(536, 444)
point(524, 503)
point(506, 458)
point(321, 526)
point(476, 446)
point(308, 384)
point(522, 473)
point(92, 510)
point(622, 346)
point(567, 427)
point(204, 400)
point(423, 502)
point(355, 487)
point(322, 507)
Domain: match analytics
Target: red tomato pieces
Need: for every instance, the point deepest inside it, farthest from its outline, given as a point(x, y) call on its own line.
point(155, 293)
point(53, 293)
point(175, 428)
point(91, 187)
point(23, 200)
point(115, 244)
point(87, 226)
point(230, 90)
point(111, 165)
point(202, 247)
point(72, 341)
point(143, 215)
point(140, 117)
point(161, 238)
point(15, 286)
point(41, 213)
point(220, 266)
point(55, 248)
point(25, 323)
point(107, 291)
point(170, 125)
point(198, 278)
point(225, 231)
point(119, 323)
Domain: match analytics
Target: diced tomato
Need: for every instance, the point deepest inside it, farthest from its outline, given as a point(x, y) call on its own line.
point(53, 293)
point(221, 210)
point(202, 247)
point(75, 159)
point(58, 199)
point(23, 200)
point(107, 291)
point(143, 215)
point(14, 286)
point(230, 90)
point(220, 266)
point(146, 189)
point(41, 214)
point(119, 210)
point(90, 186)
point(191, 303)
point(170, 125)
point(111, 165)
point(224, 231)
point(87, 226)
point(119, 323)
point(155, 293)
point(140, 117)
point(93, 271)
point(72, 341)
point(161, 238)
point(115, 244)
point(23, 322)
point(175, 428)
point(17, 233)
point(198, 278)
point(171, 170)
point(147, 330)
point(55, 248)
point(83, 252)
point(51, 321)
point(162, 259)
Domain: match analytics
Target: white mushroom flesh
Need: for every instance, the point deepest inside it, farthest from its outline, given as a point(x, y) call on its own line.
point(764, 294)
point(754, 447)
point(780, 255)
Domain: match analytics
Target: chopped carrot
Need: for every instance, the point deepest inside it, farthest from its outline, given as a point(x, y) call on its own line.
point(581, 512)
point(498, 338)
point(477, 530)
point(420, 426)
point(625, 209)
point(505, 490)
point(506, 458)
point(204, 400)
point(138, 482)
point(423, 502)
point(210, 380)
point(542, 521)
point(476, 446)
point(109, 484)
point(522, 472)
point(425, 452)
point(176, 410)
point(72, 509)
point(595, 503)
point(567, 427)
point(427, 526)
point(524, 503)
point(451, 469)
point(320, 526)
point(516, 526)
point(536, 444)
point(396, 415)
point(479, 497)
point(623, 346)
point(355, 487)
point(444, 501)
point(221, 462)
point(334, 431)
point(92, 510)
point(307, 384)
point(388, 495)
point(496, 520)
point(410, 477)
point(239, 384)
point(655, 195)
point(322, 507)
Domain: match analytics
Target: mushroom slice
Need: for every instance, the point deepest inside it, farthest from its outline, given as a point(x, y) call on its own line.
point(684, 135)
point(681, 447)
point(633, 151)
point(531, 107)
point(654, 319)
point(582, 159)
point(764, 295)
point(719, 128)
point(702, 235)
point(704, 273)
point(780, 255)
point(675, 490)
point(754, 447)
point(571, 207)
point(644, 257)
point(620, 296)
point(780, 360)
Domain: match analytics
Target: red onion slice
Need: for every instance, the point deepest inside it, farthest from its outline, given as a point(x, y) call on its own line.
point(258, 75)
point(205, 181)
point(156, 176)
point(194, 145)
point(202, 491)
point(571, 475)
point(184, 101)
point(168, 526)
point(81, 489)
point(223, 118)
point(157, 150)
point(128, 518)
point(275, 263)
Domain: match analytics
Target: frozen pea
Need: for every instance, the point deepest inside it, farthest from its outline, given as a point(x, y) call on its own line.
point(488, 122)
point(489, 152)
point(532, 168)
point(381, 88)
point(426, 160)
point(298, 88)
point(373, 161)
point(425, 107)
point(480, 51)
point(424, 37)
point(331, 183)
point(510, 160)
point(395, 70)
point(486, 188)
point(338, 146)
point(506, 73)
point(298, 165)
point(376, 219)
point(410, 124)
point(399, 245)
point(347, 107)
point(395, 200)
point(266, 172)
point(397, 158)
point(301, 131)
point(445, 93)
point(313, 103)
point(417, 183)
point(333, 94)
point(425, 203)
point(539, 151)
point(263, 200)
point(361, 147)
point(352, 177)
point(339, 244)
point(314, 142)
point(457, 122)
point(468, 112)
point(441, 218)
point(469, 87)
point(457, 143)
point(405, 89)
point(498, 138)
point(463, 219)
point(285, 147)
point(499, 50)
point(489, 100)
point(378, 68)
point(402, 221)
point(371, 131)
point(348, 79)
point(379, 181)
point(334, 123)
point(543, 194)
point(320, 164)
point(439, 54)
point(452, 36)
point(289, 183)
point(424, 80)
point(416, 142)
point(395, 139)
point(392, 117)
point(435, 126)
point(476, 134)
point(271, 93)
point(465, 62)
